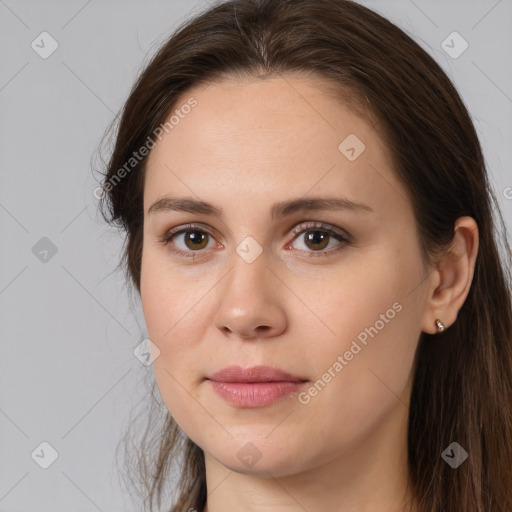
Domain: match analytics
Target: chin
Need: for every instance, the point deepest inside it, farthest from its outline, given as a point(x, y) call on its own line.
point(259, 456)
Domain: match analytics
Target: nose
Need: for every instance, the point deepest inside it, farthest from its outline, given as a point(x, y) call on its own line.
point(251, 301)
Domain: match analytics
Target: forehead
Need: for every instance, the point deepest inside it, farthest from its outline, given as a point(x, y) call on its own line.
point(257, 139)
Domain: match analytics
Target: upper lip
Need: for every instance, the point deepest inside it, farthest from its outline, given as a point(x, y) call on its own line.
point(253, 374)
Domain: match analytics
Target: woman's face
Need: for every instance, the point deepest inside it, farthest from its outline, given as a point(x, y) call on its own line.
point(257, 284)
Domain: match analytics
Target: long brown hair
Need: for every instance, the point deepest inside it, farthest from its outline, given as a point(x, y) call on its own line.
point(462, 388)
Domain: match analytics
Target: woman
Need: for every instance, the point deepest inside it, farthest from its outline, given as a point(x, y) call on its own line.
point(309, 226)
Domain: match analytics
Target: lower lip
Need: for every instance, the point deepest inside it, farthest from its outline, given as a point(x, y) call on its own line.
point(255, 394)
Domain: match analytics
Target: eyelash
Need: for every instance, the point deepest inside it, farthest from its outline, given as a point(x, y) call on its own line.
point(302, 228)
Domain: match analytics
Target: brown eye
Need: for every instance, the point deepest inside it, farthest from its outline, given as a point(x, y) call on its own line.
point(195, 239)
point(189, 241)
point(316, 240)
point(316, 237)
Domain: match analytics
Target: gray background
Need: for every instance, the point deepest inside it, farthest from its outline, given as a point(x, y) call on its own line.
point(67, 327)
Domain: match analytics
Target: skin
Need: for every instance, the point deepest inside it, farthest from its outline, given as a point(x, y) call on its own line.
point(247, 145)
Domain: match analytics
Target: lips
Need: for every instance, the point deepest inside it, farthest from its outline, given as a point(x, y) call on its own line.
point(254, 374)
point(257, 386)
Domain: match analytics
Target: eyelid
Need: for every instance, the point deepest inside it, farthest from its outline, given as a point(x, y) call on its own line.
point(168, 235)
point(301, 227)
point(320, 226)
point(186, 227)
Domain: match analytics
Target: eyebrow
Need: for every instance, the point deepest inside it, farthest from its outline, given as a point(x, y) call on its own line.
point(278, 210)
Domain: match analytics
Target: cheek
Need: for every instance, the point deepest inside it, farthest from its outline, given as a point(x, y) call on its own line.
point(177, 314)
point(372, 377)
point(168, 297)
point(354, 296)
point(172, 324)
point(373, 322)
point(371, 333)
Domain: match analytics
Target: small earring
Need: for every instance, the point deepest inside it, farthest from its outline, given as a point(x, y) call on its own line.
point(440, 325)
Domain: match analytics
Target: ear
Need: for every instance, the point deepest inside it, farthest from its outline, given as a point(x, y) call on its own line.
point(451, 279)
